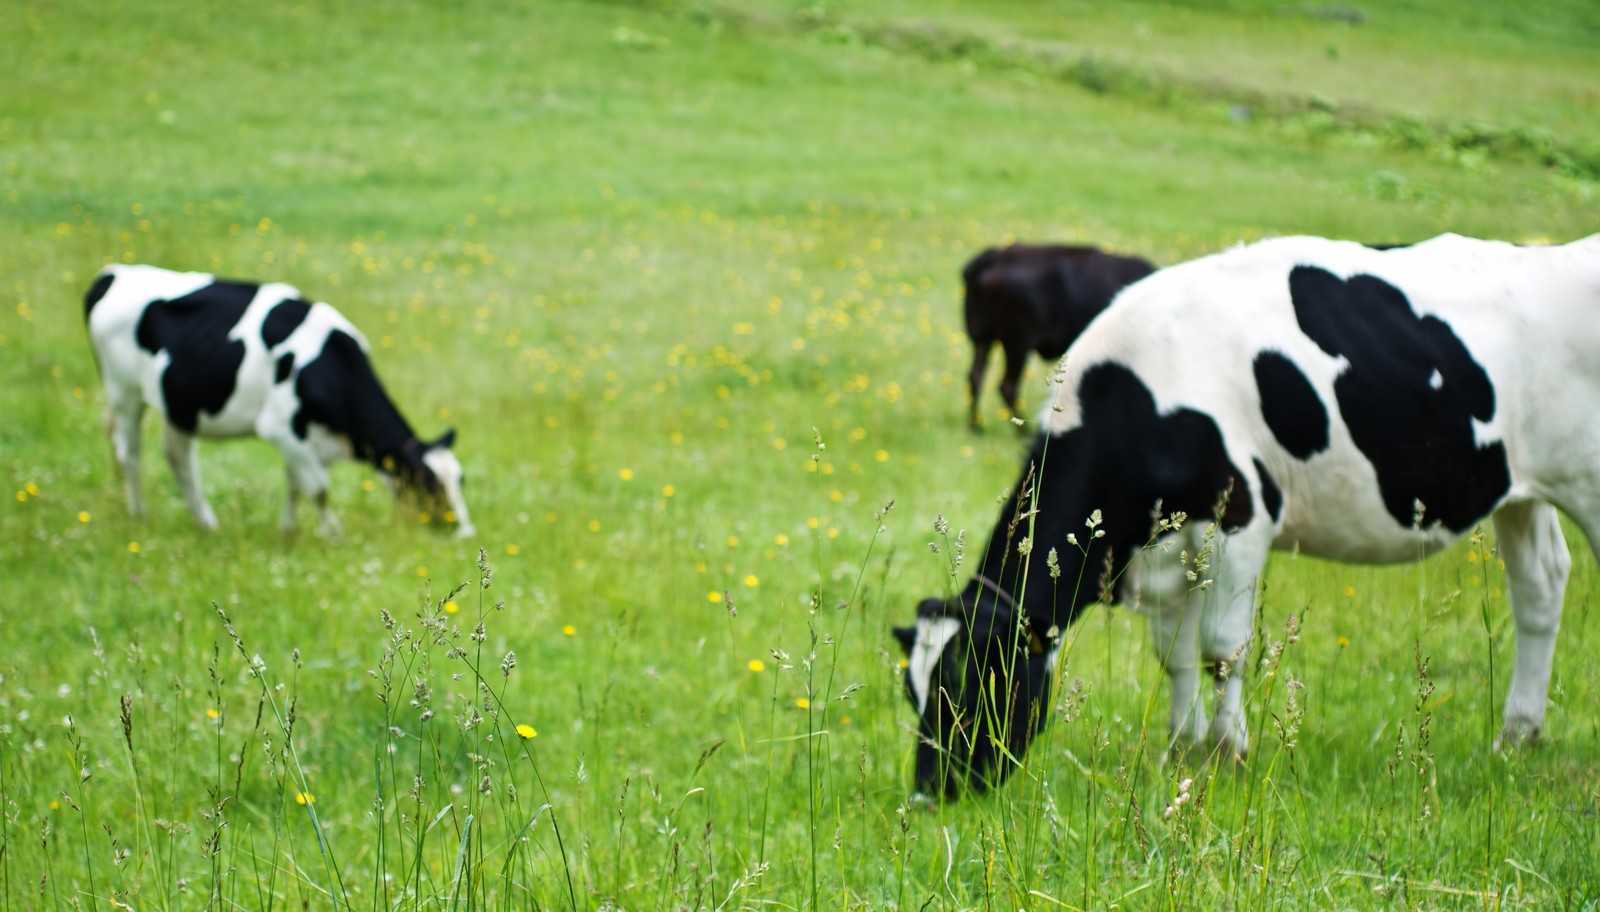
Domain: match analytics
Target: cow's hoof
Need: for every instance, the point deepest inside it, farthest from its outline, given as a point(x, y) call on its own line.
point(1186, 752)
point(1230, 745)
point(1518, 733)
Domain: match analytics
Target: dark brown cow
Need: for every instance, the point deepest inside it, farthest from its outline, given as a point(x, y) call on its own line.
point(1037, 298)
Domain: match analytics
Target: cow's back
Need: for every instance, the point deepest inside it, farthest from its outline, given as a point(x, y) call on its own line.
point(195, 346)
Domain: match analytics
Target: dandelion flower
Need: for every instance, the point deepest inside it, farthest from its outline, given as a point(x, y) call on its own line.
point(803, 703)
point(881, 455)
point(83, 516)
point(422, 571)
point(752, 581)
point(625, 474)
point(133, 547)
point(668, 490)
point(756, 665)
point(1349, 591)
point(304, 798)
point(22, 496)
point(1344, 641)
point(527, 732)
point(714, 596)
point(513, 550)
point(211, 712)
point(451, 607)
point(780, 540)
point(569, 630)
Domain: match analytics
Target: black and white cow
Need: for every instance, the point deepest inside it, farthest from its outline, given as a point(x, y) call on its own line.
point(1354, 404)
point(232, 359)
point(1031, 297)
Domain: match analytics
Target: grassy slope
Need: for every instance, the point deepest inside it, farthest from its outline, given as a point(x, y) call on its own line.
point(607, 241)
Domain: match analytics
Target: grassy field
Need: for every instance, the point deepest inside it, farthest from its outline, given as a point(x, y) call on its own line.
point(685, 276)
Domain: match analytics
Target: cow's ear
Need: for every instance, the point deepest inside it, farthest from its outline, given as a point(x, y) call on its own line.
point(907, 637)
point(445, 441)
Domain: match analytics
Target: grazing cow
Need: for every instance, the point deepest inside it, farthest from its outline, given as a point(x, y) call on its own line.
point(1036, 298)
point(1353, 404)
point(232, 359)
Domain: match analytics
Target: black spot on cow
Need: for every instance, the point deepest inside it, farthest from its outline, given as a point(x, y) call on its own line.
point(284, 368)
point(283, 319)
point(193, 330)
point(1291, 407)
point(102, 284)
point(1123, 459)
point(339, 390)
point(1271, 497)
point(1409, 397)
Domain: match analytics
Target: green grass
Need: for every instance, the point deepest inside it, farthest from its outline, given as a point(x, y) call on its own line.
point(637, 252)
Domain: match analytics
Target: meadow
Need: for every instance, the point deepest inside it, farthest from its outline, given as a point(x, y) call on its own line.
point(685, 276)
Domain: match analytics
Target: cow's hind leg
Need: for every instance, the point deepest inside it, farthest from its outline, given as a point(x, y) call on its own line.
point(123, 424)
point(183, 454)
point(1537, 563)
point(980, 363)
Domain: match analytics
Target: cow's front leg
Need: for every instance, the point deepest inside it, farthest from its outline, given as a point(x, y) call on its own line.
point(1537, 563)
point(1173, 629)
point(1160, 589)
point(1236, 565)
point(184, 457)
point(1016, 359)
point(308, 475)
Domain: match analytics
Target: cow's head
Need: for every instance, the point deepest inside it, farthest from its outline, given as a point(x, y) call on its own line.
point(431, 472)
point(979, 676)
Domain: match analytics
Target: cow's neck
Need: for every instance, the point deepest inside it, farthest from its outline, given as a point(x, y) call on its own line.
point(379, 434)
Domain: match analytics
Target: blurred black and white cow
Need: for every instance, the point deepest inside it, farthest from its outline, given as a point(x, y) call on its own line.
point(1036, 298)
point(232, 359)
point(1354, 404)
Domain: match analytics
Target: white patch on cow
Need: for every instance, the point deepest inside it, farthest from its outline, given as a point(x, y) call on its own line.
point(447, 469)
point(1436, 380)
point(933, 635)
